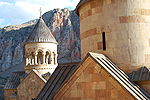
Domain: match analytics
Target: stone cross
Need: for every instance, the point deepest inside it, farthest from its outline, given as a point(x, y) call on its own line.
point(40, 12)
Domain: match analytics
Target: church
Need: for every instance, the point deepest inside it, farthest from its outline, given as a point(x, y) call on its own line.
point(41, 61)
point(115, 52)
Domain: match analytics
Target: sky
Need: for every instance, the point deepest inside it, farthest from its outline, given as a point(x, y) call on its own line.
point(14, 12)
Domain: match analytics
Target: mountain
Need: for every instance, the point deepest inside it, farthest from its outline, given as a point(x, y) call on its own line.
point(64, 25)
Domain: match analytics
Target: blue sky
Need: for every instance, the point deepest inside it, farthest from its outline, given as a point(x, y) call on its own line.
point(14, 12)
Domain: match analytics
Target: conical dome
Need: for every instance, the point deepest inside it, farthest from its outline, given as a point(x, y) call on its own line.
point(41, 33)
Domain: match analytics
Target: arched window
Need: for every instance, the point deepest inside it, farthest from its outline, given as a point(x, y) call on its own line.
point(40, 57)
point(47, 57)
point(104, 40)
point(54, 57)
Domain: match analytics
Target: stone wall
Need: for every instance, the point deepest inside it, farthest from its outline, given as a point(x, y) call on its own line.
point(8, 94)
point(145, 85)
point(30, 87)
point(126, 24)
point(92, 82)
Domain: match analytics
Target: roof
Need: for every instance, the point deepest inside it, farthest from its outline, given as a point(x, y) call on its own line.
point(142, 74)
point(41, 33)
point(14, 80)
point(63, 73)
point(56, 81)
point(120, 76)
point(39, 74)
point(80, 4)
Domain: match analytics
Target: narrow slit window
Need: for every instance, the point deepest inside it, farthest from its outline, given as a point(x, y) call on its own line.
point(104, 40)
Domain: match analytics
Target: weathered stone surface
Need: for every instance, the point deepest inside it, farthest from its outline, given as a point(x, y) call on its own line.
point(126, 25)
point(30, 87)
point(92, 82)
point(64, 25)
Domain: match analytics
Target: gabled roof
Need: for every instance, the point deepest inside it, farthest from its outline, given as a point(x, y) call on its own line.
point(14, 80)
point(56, 81)
point(143, 74)
point(41, 33)
point(62, 74)
point(121, 77)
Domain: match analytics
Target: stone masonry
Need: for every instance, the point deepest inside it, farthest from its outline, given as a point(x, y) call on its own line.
point(126, 25)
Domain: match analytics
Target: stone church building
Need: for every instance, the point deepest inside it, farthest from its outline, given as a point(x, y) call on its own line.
point(115, 50)
point(41, 61)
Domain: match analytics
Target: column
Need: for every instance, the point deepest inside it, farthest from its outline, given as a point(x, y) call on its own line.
point(27, 61)
point(35, 58)
point(32, 61)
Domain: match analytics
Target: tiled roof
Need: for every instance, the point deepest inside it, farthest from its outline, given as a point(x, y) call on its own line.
point(41, 33)
point(63, 73)
point(143, 74)
point(56, 81)
point(80, 4)
point(14, 80)
point(121, 77)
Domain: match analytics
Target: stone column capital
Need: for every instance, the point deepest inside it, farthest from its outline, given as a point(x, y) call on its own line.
point(35, 53)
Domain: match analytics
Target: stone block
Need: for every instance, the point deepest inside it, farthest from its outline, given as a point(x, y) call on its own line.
point(114, 83)
point(94, 4)
point(96, 77)
point(99, 45)
point(104, 74)
point(102, 94)
point(99, 85)
point(131, 19)
point(88, 33)
point(114, 94)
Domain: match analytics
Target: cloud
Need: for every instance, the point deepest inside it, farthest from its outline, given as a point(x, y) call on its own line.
point(20, 11)
point(12, 14)
point(4, 3)
point(53, 3)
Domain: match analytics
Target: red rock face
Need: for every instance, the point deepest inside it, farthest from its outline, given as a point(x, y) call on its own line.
point(64, 25)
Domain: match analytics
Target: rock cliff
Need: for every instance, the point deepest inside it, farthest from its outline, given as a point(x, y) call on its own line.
point(64, 25)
